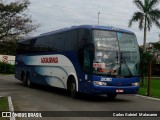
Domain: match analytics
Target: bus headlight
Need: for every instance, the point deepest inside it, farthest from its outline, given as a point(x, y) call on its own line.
point(99, 83)
point(135, 84)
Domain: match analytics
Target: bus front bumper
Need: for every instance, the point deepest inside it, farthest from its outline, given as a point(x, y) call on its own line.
point(113, 89)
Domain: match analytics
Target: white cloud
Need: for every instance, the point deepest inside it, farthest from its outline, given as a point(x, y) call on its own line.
point(57, 14)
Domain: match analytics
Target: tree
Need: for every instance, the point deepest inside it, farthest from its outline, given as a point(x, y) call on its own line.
point(157, 46)
point(14, 22)
point(147, 16)
point(8, 47)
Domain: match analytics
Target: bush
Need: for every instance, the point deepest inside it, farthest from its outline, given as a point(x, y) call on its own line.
point(156, 70)
point(6, 68)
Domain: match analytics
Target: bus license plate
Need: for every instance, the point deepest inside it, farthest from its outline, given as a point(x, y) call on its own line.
point(119, 91)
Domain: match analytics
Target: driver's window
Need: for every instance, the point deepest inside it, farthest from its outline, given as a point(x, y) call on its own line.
point(88, 57)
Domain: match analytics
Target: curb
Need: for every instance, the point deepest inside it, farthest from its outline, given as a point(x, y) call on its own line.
point(6, 74)
point(146, 97)
point(11, 108)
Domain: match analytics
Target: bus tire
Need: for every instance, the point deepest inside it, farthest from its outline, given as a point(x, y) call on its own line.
point(23, 79)
point(28, 79)
point(72, 88)
point(111, 96)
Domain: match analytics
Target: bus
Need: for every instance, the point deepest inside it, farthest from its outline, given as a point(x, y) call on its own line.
point(97, 60)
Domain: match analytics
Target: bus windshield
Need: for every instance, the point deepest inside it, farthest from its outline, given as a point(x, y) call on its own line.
point(116, 53)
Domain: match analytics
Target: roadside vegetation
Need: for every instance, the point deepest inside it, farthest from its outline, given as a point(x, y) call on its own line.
point(155, 86)
point(15, 24)
point(147, 15)
point(4, 106)
point(6, 68)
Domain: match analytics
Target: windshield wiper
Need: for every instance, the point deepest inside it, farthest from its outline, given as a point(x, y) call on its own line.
point(123, 61)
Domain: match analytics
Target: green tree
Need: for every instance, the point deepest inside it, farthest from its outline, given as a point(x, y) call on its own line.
point(145, 59)
point(147, 16)
point(157, 46)
point(14, 23)
point(8, 47)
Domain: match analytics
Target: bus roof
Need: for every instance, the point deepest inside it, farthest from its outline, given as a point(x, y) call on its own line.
point(90, 27)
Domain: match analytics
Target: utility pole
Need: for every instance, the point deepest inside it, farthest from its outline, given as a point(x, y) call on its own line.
point(98, 17)
point(149, 78)
point(150, 73)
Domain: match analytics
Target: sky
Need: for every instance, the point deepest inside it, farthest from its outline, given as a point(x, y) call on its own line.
point(57, 14)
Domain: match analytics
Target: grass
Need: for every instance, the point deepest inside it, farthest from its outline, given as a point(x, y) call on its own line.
point(154, 90)
point(4, 106)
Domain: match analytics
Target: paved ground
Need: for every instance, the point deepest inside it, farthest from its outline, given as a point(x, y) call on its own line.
point(51, 99)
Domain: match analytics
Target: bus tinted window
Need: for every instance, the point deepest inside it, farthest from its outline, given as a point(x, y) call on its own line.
point(83, 37)
point(26, 46)
point(55, 41)
point(71, 40)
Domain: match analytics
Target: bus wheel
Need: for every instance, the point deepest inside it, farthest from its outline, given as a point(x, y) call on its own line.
point(23, 79)
point(29, 83)
point(111, 96)
point(72, 88)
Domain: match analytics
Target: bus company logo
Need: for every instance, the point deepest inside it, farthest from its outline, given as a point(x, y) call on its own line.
point(49, 60)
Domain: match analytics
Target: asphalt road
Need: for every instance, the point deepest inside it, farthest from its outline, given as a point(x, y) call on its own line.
point(42, 98)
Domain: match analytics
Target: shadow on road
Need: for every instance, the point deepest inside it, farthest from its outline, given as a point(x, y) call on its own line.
point(82, 97)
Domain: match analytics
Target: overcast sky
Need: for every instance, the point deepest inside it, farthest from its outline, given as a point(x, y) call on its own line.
point(57, 14)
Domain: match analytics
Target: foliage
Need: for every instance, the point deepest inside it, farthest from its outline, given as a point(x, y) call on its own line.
point(145, 58)
point(13, 19)
point(147, 16)
point(14, 24)
point(3, 104)
point(8, 47)
point(155, 83)
point(156, 70)
point(6, 68)
point(157, 46)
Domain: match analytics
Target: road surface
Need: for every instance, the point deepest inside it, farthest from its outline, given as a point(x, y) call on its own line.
point(42, 98)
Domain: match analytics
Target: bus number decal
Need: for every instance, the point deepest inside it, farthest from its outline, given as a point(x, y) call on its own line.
point(106, 79)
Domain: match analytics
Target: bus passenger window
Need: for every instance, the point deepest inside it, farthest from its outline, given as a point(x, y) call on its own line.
point(83, 37)
point(71, 40)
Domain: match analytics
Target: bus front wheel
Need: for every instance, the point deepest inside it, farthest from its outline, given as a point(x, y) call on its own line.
point(72, 88)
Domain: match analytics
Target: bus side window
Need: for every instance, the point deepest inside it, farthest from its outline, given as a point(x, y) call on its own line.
point(32, 43)
point(82, 37)
point(71, 40)
point(23, 47)
point(58, 42)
